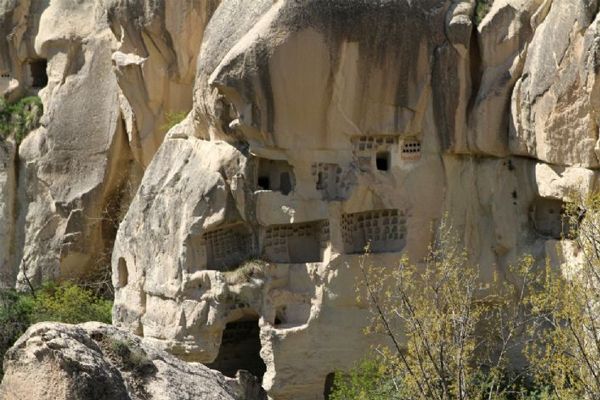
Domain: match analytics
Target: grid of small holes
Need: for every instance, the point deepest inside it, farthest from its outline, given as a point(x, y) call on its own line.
point(380, 225)
point(364, 143)
point(411, 147)
point(225, 243)
point(277, 236)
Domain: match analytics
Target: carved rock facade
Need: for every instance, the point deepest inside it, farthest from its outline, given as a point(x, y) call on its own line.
point(315, 128)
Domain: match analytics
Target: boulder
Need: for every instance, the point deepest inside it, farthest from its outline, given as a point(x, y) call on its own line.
point(92, 361)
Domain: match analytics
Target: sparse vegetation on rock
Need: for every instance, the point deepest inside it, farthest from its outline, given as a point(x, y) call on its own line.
point(172, 118)
point(19, 118)
point(482, 7)
point(245, 272)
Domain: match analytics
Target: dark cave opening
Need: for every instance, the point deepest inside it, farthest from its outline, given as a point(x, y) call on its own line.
point(240, 349)
point(39, 75)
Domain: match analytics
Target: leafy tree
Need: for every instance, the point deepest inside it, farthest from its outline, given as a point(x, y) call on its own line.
point(449, 339)
point(565, 354)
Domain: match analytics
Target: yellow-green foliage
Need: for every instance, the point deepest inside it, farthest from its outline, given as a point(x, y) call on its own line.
point(66, 302)
point(20, 118)
point(172, 119)
point(71, 304)
point(450, 339)
point(371, 379)
point(565, 354)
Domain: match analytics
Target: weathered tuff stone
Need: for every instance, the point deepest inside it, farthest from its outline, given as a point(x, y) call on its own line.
point(309, 121)
point(155, 63)
point(317, 126)
point(93, 361)
point(555, 102)
point(108, 74)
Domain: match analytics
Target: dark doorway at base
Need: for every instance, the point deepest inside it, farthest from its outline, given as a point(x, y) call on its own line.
point(240, 349)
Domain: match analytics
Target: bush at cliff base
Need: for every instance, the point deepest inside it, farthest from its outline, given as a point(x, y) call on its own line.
point(64, 302)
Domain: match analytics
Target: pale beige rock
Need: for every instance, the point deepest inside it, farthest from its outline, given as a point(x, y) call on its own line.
point(155, 63)
point(554, 104)
point(94, 361)
point(307, 120)
point(74, 167)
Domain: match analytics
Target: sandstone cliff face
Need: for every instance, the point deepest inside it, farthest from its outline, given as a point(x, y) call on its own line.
point(103, 82)
point(314, 128)
point(95, 361)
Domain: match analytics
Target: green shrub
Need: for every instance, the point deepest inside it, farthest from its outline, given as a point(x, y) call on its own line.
point(482, 8)
point(369, 380)
point(64, 302)
point(15, 318)
point(20, 118)
point(71, 304)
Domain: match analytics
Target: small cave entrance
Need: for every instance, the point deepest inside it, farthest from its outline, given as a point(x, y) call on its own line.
point(240, 349)
point(38, 73)
point(274, 175)
point(548, 217)
point(383, 160)
point(123, 277)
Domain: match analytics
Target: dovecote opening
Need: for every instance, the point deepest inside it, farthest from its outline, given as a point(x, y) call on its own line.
point(383, 231)
point(240, 349)
point(275, 175)
point(228, 247)
point(329, 386)
point(375, 152)
point(38, 73)
point(296, 243)
point(411, 149)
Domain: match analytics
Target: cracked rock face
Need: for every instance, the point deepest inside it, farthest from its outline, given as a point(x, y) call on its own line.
point(315, 128)
point(94, 361)
point(321, 127)
point(109, 74)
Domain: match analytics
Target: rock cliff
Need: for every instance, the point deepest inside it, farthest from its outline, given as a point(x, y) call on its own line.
point(312, 129)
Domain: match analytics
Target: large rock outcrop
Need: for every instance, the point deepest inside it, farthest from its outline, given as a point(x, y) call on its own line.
point(98, 362)
point(315, 128)
point(109, 74)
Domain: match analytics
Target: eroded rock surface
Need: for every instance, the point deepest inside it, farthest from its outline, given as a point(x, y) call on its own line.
point(95, 361)
point(314, 129)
